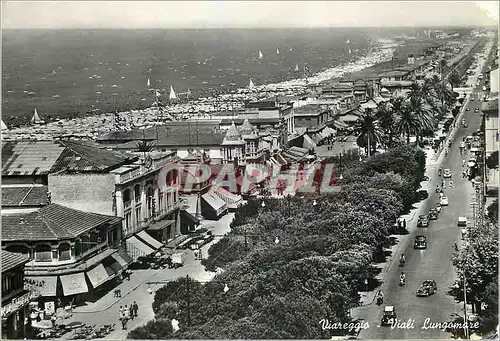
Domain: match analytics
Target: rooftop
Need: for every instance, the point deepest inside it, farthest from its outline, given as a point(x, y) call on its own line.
point(310, 110)
point(393, 73)
point(24, 196)
point(52, 222)
point(10, 260)
point(43, 157)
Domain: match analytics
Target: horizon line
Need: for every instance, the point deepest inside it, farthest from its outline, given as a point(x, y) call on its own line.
point(247, 27)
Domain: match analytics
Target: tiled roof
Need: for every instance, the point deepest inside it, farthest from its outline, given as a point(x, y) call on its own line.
point(29, 158)
point(253, 121)
point(88, 157)
point(24, 196)
point(52, 222)
point(43, 157)
point(10, 260)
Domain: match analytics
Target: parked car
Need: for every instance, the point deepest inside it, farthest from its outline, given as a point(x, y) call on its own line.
point(447, 173)
point(389, 316)
point(462, 221)
point(438, 207)
point(427, 288)
point(467, 109)
point(472, 161)
point(423, 220)
point(444, 201)
point(420, 243)
point(433, 214)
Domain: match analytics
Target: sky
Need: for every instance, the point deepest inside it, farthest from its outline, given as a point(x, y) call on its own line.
point(220, 14)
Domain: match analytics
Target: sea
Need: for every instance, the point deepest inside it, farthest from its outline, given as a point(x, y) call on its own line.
point(66, 72)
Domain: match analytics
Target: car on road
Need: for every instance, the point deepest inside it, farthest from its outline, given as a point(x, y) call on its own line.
point(443, 201)
point(420, 243)
point(389, 316)
point(433, 214)
point(427, 288)
point(423, 220)
point(476, 110)
point(467, 109)
point(447, 173)
point(462, 221)
point(472, 161)
point(471, 99)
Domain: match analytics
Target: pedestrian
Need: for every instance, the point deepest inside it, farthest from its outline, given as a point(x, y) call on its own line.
point(118, 292)
point(126, 316)
point(404, 223)
point(136, 309)
point(464, 173)
point(451, 183)
point(131, 311)
point(53, 319)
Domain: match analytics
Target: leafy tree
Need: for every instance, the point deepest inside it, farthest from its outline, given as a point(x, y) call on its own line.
point(492, 160)
point(492, 212)
point(159, 329)
point(455, 79)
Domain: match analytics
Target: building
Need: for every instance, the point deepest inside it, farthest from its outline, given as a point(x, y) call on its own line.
point(494, 80)
point(312, 115)
point(233, 146)
point(73, 253)
point(15, 297)
point(492, 145)
point(180, 138)
point(146, 195)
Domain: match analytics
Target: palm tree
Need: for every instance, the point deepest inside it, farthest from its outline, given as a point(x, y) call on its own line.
point(369, 131)
point(145, 146)
point(406, 123)
point(387, 120)
point(421, 112)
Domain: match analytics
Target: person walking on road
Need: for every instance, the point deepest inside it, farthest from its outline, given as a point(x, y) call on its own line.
point(131, 311)
point(136, 309)
point(126, 316)
point(451, 183)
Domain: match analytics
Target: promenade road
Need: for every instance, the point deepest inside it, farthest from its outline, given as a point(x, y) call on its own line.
point(433, 262)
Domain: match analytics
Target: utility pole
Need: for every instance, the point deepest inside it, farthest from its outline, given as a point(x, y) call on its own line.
point(188, 302)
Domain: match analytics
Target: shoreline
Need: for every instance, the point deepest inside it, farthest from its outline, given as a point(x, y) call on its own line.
point(382, 49)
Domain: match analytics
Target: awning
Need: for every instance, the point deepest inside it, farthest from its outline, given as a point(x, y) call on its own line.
point(159, 225)
point(217, 204)
point(143, 236)
point(74, 284)
point(190, 217)
point(137, 244)
point(98, 275)
point(48, 284)
point(122, 258)
point(99, 257)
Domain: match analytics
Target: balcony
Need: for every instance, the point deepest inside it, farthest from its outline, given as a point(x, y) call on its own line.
point(141, 170)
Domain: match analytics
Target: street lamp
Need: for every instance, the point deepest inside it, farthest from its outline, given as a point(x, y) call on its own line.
point(226, 288)
point(276, 241)
point(263, 204)
point(315, 203)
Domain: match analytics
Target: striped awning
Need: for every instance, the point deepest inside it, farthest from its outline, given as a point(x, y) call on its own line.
point(150, 240)
point(136, 243)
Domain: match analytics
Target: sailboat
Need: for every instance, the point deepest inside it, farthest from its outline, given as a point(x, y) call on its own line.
point(172, 95)
point(349, 51)
point(36, 118)
point(260, 54)
point(291, 49)
point(348, 41)
point(4, 126)
point(149, 83)
point(277, 51)
point(296, 67)
point(251, 85)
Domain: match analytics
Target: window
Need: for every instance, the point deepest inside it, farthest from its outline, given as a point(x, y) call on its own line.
point(497, 137)
point(137, 193)
point(149, 199)
point(160, 202)
point(126, 198)
point(43, 253)
point(64, 251)
point(128, 221)
point(137, 216)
